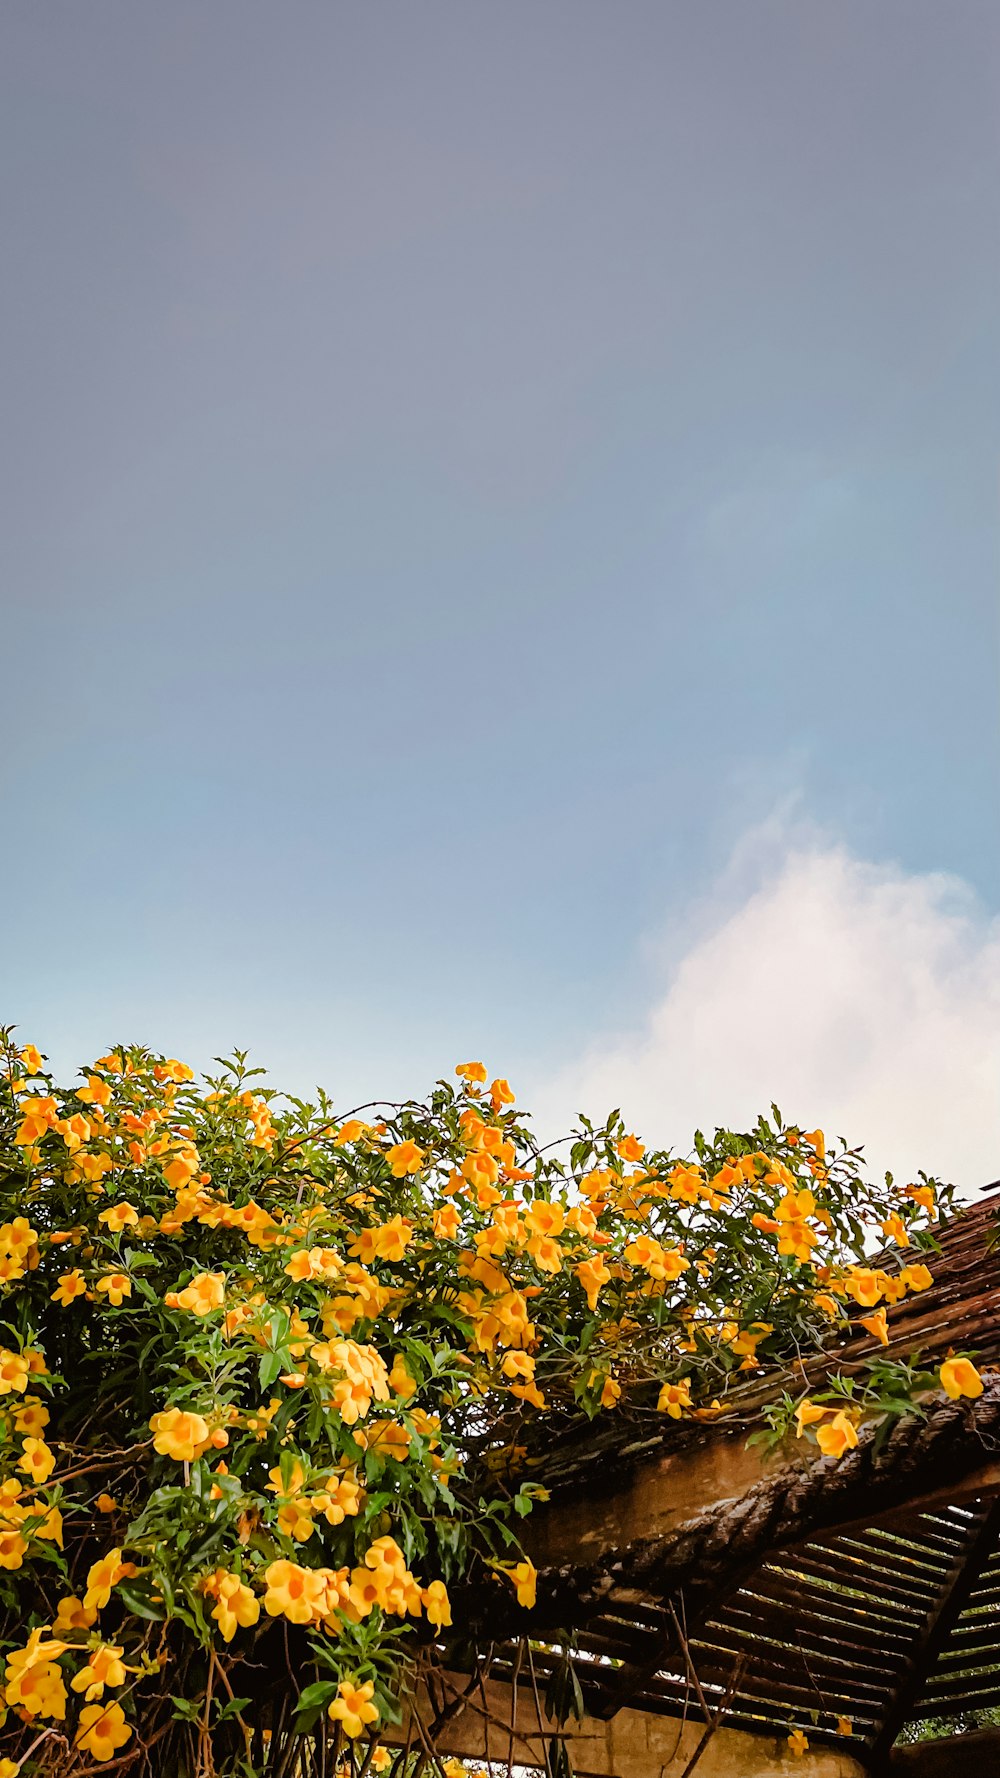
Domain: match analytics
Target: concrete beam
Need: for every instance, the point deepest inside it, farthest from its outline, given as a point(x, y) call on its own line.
point(634, 1744)
point(954, 1756)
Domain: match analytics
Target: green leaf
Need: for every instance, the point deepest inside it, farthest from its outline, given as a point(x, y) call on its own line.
point(186, 1709)
point(142, 1607)
point(317, 1695)
point(268, 1369)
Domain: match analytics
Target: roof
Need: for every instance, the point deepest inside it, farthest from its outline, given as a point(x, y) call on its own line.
point(885, 1615)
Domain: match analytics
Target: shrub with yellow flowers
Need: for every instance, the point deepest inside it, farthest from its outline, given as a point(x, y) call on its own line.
point(272, 1377)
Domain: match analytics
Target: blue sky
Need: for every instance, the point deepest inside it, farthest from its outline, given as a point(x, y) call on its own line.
point(466, 469)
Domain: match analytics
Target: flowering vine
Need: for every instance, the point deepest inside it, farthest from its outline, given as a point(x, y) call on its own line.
point(271, 1378)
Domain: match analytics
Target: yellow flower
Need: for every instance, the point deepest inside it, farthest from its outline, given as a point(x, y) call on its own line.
point(916, 1277)
point(104, 1667)
point(38, 1116)
point(102, 1730)
point(180, 1435)
point(806, 1413)
point(630, 1148)
point(894, 1229)
point(31, 1417)
point(387, 1438)
point(437, 1604)
point(14, 1370)
point(593, 1274)
point(340, 1500)
point(171, 1069)
point(18, 1237)
point(404, 1158)
point(89, 1167)
point(363, 1377)
point(959, 1376)
point(13, 1549)
point(543, 1218)
point(354, 1707)
point(39, 1690)
point(51, 1527)
point(798, 1743)
point(471, 1071)
point(36, 1460)
point(72, 1284)
point(115, 1286)
point(388, 1241)
point(296, 1480)
point(400, 1381)
point(96, 1091)
point(795, 1205)
point(204, 1293)
point(610, 1389)
point(33, 1059)
point(876, 1326)
point(236, 1608)
point(864, 1286)
point(72, 1614)
point(33, 1681)
point(674, 1398)
point(658, 1262)
point(102, 1576)
point(525, 1578)
point(295, 1521)
point(74, 1130)
point(352, 1131)
point(119, 1216)
point(299, 1594)
point(546, 1253)
point(446, 1222)
point(837, 1436)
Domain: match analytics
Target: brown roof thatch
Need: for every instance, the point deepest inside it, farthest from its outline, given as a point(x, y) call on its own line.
point(866, 1590)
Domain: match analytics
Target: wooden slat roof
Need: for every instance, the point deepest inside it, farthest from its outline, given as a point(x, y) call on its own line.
point(873, 1624)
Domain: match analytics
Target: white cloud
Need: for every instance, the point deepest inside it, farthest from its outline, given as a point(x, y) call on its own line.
point(856, 996)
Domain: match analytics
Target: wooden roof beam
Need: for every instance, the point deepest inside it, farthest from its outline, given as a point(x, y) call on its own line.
point(698, 1521)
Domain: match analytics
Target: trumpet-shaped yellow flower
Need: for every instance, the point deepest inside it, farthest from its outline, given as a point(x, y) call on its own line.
point(877, 1326)
point(180, 1435)
point(299, 1594)
point(104, 1667)
point(236, 1605)
point(116, 1286)
point(72, 1614)
point(102, 1576)
point(437, 1604)
point(204, 1294)
point(102, 1730)
point(36, 1460)
point(404, 1158)
point(959, 1376)
point(674, 1398)
point(14, 1372)
point(354, 1708)
point(837, 1436)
